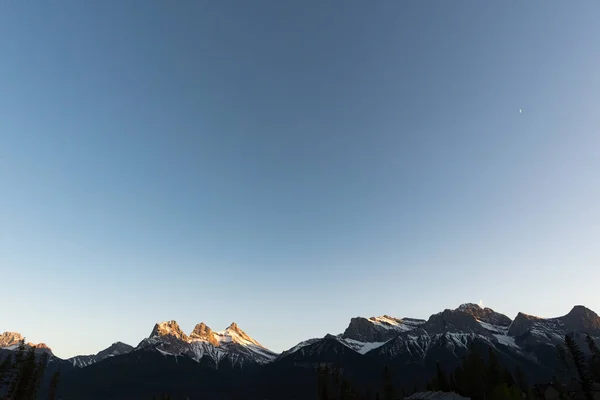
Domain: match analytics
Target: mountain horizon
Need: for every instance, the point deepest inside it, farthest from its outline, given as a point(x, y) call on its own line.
point(172, 327)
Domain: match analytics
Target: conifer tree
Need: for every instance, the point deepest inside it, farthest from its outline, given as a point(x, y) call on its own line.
point(54, 385)
point(580, 366)
point(493, 370)
point(388, 386)
point(507, 378)
point(595, 361)
point(345, 390)
point(521, 380)
point(337, 379)
point(452, 383)
point(5, 369)
point(471, 375)
point(18, 373)
point(39, 368)
point(441, 380)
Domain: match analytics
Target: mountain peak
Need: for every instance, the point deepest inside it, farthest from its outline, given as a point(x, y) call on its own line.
point(581, 318)
point(234, 327)
point(10, 339)
point(235, 334)
point(469, 306)
point(484, 314)
point(203, 332)
point(582, 311)
point(379, 329)
point(168, 328)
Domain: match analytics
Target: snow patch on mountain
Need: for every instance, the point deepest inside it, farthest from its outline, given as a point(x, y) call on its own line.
point(506, 341)
point(362, 347)
point(503, 330)
point(232, 343)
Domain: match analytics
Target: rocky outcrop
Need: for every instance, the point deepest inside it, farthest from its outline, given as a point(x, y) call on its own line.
point(203, 332)
point(169, 328)
point(11, 341)
point(581, 320)
point(530, 330)
point(453, 321)
point(233, 344)
point(485, 314)
point(379, 329)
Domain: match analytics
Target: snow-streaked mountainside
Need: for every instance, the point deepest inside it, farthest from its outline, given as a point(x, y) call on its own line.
point(114, 349)
point(232, 345)
point(408, 339)
point(378, 329)
point(453, 330)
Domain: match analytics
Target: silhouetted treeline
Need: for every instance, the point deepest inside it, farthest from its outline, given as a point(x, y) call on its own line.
point(479, 378)
point(21, 374)
point(576, 368)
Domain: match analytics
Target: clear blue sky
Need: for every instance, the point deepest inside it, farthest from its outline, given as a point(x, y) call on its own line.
point(290, 166)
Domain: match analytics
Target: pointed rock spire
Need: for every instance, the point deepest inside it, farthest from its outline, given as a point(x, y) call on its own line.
point(169, 328)
point(10, 339)
point(203, 332)
point(233, 327)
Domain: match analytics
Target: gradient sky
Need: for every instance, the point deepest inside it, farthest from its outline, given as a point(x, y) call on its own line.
point(290, 166)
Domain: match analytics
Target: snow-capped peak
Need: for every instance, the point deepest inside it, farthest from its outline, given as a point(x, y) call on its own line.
point(234, 334)
point(232, 343)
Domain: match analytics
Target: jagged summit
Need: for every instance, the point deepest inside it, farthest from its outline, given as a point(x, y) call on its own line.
point(168, 328)
point(469, 306)
point(232, 343)
point(378, 329)
point(235, 334)
point(8, 339)
point(533, 330)
point(233, 326)
point(203, 332)
point(11, 340)
point(485, 314)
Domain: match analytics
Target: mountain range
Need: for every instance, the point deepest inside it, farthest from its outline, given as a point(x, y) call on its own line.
point(208, 361)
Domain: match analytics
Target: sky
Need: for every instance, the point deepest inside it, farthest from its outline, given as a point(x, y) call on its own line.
point(291, 165)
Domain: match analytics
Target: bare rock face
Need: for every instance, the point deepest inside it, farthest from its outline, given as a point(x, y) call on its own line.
point(11, 340)
point(236, 331)
point(169, 328)
point(453, 321)
point(485, 314)
point(232, 345)
point(8, 339)
point(467, 318)
point(532, 330)
point(203, 332)
point(363, 330)
point(581, 319)
point(379, 329)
